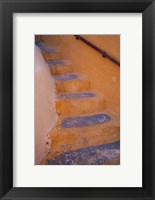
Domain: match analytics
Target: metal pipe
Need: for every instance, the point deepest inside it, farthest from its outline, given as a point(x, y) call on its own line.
point(104, 53)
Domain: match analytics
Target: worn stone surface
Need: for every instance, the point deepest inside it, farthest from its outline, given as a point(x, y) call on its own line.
point(66, 77)
point(94, 155)
point(70, 139)
point(85, 121)
point(52, 56)
point(61, 69)
point(45, 48)
point(80, 106)
point(56, 62)
point(77, 95)
point(72, 86)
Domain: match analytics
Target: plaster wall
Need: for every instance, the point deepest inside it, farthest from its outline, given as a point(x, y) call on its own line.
point(45, 113)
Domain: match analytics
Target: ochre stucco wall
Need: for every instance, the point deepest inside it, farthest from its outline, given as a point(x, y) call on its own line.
point(103, 74)
point(45, 114)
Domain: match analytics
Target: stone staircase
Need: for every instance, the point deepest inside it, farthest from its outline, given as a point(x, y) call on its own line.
point(86, 133)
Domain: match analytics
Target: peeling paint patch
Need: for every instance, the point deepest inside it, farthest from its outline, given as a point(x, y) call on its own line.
point(81, 121)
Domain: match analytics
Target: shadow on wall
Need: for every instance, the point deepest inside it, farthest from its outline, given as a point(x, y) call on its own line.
point(45, 113)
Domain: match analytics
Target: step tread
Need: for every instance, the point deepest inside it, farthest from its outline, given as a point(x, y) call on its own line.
point(77, 95)
point(81, 84)
point(45, 48)
point(73, 138)
point(52, 56)
point(80, 106)
point(58, 62)
point(61, 69)
point(55, 62)
point(92, 155)
point(81, 121)
point(66, 77)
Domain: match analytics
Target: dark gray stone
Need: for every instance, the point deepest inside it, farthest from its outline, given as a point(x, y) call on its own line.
point(65, 77)
point(56, 62)
point(81, 121)
point(77, 95)
point(44, 48)
point(94, 155)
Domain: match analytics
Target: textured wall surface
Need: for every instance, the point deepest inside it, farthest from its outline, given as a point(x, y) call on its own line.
point(45, 114)
point(103, 74)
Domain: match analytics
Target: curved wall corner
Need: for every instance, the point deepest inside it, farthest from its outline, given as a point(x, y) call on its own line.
point(45, 113)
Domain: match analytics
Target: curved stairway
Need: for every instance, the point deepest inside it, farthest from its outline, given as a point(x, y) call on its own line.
point(84, 134)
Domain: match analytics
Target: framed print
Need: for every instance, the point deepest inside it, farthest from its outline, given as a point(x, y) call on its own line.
point(77, 99)
point(78, 109)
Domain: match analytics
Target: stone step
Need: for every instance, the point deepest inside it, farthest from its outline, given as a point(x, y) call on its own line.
point(61, 69)
point(45, 48)
point(77, 95)
point(66, 77)
point(52, 56)
point(52, 63)
point(73, 138)
point(78, 84)
point(82, 121)
point(94, 155)
point(80, 104)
